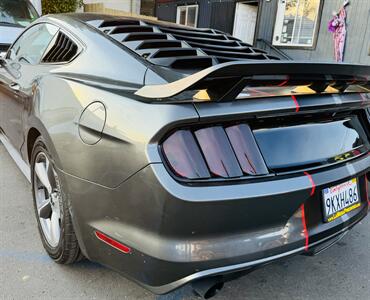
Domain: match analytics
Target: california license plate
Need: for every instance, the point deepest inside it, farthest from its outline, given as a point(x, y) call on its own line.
point(340, 200)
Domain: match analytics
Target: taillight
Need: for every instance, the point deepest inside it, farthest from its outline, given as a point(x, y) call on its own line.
point(215, 151)
point(218, 152)
point(184, 156)
point(246, 149)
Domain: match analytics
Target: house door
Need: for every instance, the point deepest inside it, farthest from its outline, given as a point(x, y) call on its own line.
point(245, 21)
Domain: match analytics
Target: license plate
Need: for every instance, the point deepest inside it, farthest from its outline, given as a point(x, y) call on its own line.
point(340, 200)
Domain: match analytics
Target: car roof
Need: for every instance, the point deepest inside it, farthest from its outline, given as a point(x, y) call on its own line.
point(167, 45)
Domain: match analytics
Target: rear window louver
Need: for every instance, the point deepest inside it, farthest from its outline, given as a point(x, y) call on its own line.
point(173, 52)
point(176, 46)
point(188, 33)
point(140, 36)
point(153, 44)
point(119, 22)
point(131, 28)
point(63, 50)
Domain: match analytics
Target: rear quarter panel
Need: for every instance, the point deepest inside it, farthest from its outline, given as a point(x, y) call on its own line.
point(107, 73)
point(129, 134)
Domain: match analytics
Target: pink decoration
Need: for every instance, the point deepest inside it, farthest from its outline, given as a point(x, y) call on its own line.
point(338, 27)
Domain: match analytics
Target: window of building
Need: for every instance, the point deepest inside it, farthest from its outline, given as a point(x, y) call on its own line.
point(296, 23)
point(187, 15)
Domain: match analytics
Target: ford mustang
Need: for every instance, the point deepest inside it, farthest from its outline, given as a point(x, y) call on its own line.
point(177, 155)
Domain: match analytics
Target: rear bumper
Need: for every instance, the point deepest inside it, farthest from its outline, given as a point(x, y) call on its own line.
point(312, 249)
point(179, 233)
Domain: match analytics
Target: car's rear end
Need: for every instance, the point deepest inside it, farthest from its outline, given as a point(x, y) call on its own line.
point(275, 162)
point(275, 170)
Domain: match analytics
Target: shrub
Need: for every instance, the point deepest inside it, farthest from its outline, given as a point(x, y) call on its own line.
point(58, 6)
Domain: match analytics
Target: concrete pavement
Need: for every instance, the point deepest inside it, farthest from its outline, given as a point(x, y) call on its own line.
point(26, 272)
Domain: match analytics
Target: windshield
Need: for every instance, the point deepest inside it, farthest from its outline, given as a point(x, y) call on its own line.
point(19, 13)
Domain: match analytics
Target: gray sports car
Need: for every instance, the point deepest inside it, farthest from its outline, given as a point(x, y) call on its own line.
point(176, 155)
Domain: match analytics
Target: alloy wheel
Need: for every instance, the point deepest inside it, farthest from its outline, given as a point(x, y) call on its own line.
point(48, 199)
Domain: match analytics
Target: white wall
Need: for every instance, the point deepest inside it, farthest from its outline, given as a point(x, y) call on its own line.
point(37, 5)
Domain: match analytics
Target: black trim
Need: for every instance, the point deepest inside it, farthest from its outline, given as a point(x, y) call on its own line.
point(132, 33)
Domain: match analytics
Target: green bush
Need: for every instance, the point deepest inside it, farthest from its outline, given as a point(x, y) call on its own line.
point(60, 6)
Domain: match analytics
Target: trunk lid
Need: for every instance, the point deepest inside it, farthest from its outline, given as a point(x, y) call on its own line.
point(286, 147)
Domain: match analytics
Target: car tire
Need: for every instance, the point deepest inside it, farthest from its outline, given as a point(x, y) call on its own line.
point(51, 208)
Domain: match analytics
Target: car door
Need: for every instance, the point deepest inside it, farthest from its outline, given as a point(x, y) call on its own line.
point(17, 75)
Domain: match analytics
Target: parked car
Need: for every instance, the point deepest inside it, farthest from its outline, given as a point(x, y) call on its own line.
point(176, 155)
point(15, 15)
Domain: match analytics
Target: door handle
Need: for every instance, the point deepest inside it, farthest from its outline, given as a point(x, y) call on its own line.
point(14, 86)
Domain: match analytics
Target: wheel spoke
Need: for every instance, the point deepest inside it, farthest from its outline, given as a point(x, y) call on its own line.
point(42, 174)
point(54, 227)
point(56, 206)
point(51, 175)
point(47, 194)
point(45, 210)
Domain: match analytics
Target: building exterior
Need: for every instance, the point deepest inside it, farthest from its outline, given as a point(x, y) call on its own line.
point(296, 29)
point(130, 6)
point(135, 8)
point(144, 8)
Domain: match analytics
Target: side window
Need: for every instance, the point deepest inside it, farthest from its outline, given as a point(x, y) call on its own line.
point(32, 44)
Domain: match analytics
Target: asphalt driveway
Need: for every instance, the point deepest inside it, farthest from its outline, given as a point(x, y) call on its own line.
point(26, 272)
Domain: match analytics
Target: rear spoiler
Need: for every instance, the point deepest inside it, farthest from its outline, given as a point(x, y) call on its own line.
point(226, 81)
